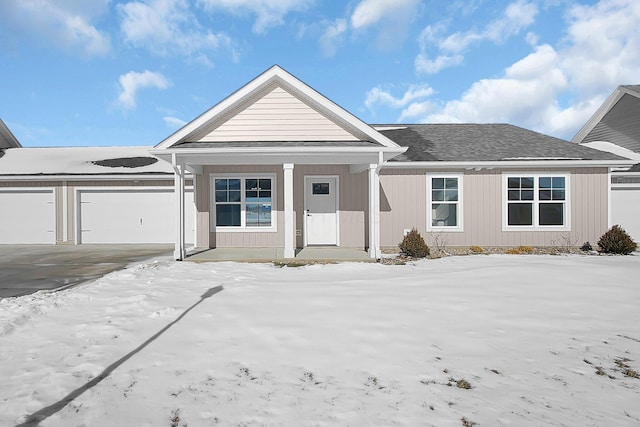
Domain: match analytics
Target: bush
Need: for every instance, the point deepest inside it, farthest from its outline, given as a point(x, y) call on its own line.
point(617, 241)
point(520, 250)
point(413, 245)
point(586, 247)
point(476, 249)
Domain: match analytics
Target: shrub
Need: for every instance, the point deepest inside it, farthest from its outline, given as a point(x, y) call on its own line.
point(617, 241)
point(586, 247)
point(413, 245)
point(520, 250)
point(476, 249)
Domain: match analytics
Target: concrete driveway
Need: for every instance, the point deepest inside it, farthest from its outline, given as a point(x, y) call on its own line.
point(25, 269)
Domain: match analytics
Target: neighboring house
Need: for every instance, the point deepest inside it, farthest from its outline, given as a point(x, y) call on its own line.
point(68, 195)
point(7, 140)
point(278, 165)
point(615, 127)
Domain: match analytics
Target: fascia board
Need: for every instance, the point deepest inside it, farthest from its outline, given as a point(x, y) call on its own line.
point(227, 103)
point(552, 164)
point(278, 75)
point(127, 177)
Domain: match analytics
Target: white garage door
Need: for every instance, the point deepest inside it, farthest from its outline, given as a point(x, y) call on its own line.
point(625, 210)
point(27, 216)
point(131, 216)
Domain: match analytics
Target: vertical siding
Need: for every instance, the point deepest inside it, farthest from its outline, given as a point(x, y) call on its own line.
point(352, 203)
point(249, 239)
point(405, 193)
point(403, 201)
point(202, 199)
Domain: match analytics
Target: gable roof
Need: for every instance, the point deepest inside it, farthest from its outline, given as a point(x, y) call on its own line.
point(274, 83)
point(7, 139)
point(484, 143)
point(616, 121)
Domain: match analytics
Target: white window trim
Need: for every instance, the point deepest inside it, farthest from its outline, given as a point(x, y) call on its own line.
point(536, 201)
point(459, 211)
point(243, 228)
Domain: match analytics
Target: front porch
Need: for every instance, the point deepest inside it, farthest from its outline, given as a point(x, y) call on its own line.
point(309, 254)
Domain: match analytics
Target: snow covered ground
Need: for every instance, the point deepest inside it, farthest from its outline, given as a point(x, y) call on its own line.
point(540, 340)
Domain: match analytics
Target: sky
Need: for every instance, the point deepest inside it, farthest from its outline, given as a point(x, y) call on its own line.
point(132, 72)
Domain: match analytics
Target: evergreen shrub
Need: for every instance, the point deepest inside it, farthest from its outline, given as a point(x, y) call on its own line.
point(617, 241)
point(413, 245)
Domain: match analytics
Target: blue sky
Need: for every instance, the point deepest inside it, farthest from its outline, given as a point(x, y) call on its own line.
point(124, 72)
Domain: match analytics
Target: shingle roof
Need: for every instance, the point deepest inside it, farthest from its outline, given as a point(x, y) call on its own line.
point(483, 142)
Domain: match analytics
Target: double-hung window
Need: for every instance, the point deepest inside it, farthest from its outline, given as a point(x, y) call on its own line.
point(243, 203)
point(444, 210)
point(535, 201)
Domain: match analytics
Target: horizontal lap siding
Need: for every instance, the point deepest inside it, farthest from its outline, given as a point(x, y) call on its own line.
point(405, 191)
point(278, 116)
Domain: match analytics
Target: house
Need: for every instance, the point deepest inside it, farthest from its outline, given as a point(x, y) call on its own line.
point(278, 165)
point(615, 127)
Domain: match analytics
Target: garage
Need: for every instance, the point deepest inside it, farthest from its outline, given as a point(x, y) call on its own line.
point(27, 216)
point(625, 206)
point(131, 216)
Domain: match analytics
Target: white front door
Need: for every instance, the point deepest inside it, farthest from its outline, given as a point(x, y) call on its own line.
point(321, 210)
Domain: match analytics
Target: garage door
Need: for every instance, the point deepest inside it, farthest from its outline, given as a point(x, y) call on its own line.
point(625, 208)
point(131, 216)
point(27, 216)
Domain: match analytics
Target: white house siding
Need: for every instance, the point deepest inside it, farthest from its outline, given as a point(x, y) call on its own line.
point(405, 192)
point(277, 116)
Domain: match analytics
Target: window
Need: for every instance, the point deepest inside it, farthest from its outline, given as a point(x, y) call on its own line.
point(444, 209)
point(536, 201)
point(243, 203)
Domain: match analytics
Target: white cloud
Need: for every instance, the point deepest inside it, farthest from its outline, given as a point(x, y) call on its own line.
point(553, 89)
point(391, 17)
point(174, 122)
point(332, 36)
point(432, 66)
point(269, 13)
point(65, 23)
point(381, 96)
point(515, 18)
point(168, 27)
point(133, 81)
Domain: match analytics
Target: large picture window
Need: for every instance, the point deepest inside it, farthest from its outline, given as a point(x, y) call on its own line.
point(243, 203)
point(536, 201)
point(444, 209)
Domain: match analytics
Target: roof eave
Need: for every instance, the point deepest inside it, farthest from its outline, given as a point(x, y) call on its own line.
point(508, 164)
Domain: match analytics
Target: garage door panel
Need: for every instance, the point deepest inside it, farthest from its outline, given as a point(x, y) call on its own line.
point(625, 210)
point(27, 217)
point(130, 216)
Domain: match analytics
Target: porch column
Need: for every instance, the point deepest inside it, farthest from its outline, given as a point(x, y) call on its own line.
point(178, 188)
point(374, 212)
point(289, 226)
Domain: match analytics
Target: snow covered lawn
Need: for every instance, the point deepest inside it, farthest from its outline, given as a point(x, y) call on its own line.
point(493, 340)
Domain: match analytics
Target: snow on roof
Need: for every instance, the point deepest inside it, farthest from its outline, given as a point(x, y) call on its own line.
point(81, 161)
point(614, 149)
